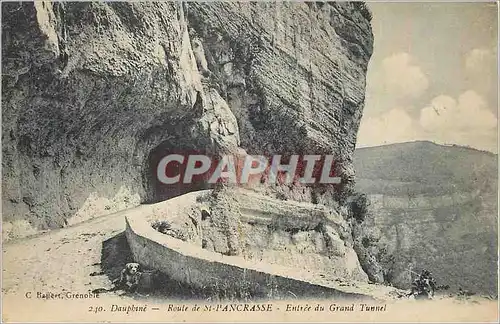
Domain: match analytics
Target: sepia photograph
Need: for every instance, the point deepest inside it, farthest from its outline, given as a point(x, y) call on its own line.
point(249, 161)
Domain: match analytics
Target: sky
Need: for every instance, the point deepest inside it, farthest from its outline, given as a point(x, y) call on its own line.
point(433, 75)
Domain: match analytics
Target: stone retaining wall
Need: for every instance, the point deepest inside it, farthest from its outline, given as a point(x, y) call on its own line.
point(203, 269)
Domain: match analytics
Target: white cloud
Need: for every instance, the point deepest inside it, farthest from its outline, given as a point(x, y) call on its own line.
point(395, 126)
point(446, 120)
point(395, 81)
point(468, 114)
point(401, 77)
point(481, 68)
point(465, 121)
point(480, 59)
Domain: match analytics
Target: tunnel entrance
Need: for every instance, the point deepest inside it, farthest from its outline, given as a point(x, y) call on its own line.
point(158, 191)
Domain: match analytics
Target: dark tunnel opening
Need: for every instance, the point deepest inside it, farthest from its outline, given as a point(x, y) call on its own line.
point(158, 191)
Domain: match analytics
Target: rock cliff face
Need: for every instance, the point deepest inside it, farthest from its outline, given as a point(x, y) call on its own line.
point(94, 94)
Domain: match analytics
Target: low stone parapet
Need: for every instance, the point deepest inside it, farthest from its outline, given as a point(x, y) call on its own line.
point(203, 269)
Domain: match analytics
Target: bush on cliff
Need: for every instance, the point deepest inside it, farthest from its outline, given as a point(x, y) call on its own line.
point(359, 204)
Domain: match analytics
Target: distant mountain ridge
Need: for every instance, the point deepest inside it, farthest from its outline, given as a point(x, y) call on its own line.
point(430, 168)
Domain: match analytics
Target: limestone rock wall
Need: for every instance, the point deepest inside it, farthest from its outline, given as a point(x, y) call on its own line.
point(91, 91)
